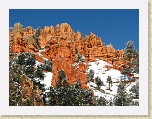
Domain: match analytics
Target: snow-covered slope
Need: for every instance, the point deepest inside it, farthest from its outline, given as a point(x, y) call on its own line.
point(101, 70)
point(99, 67)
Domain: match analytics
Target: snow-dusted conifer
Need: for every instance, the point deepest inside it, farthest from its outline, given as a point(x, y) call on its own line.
point(122, 98)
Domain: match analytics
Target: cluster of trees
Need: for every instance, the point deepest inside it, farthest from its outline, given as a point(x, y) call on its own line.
point(22, 66)
point(122, 98)
point(97, 80)
point(65, 94)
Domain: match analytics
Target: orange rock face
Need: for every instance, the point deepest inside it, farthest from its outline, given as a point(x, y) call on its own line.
point(30, 92)
point(18, 44)
point(21, 39)
point(64, 58)
point(62, 46)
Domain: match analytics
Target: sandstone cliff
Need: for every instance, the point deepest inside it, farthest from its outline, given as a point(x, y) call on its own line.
point(62, 45)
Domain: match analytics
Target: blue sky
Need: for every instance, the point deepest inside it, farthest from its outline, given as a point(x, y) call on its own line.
point(115, 26)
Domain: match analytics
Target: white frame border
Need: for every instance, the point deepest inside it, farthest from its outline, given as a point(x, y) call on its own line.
point(142, 109)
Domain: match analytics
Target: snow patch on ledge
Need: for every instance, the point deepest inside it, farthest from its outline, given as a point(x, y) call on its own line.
point(47, 79)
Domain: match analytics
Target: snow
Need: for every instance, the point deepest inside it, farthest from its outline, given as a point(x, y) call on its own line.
point(42, 49)
point(42, 56)
point(129, 86)
point(106, 96)
point(47, 76)
point(136, 75)
point(37, 63)
point(99, 67)
point(47, 79)
point(101, 71)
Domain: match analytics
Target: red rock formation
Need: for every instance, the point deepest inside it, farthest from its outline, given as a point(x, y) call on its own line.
point(18, 44)
point(30, 91)
point(60, 44)
point(64, 58)
point(74, 72)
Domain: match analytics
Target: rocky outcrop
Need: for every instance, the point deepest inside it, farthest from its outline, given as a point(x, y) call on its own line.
point(63, 55)
point(89, 46)
point(60, 31)
point(30, 91)
point(21, 40)
point(18, 44)
point(62, 46)
point(75, 72)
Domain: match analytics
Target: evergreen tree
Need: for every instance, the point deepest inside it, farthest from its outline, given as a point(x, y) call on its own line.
point(80, 58)
point(90, 75)
point(101, 101)
point(122, 98)
point(98, 82)
point(135, 63)
point(65, 94)
point(38, 32)
point(129, 51)
point(77, 85)
point(47, 65)
point(110, 102)
point(134, 103)
point(135, 90)
point(39, 72)
point(132, 57)
point(21, 67)
point(109, 81)
point(16, 91)
point(62, 81)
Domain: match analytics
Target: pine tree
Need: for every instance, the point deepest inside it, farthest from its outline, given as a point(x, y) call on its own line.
point(101, 101)
point(134, 103)
point(135, 90)
point(80, 58)
point(65, 94)
point(22, 67)
point(122, 98)
point(135, 63)
point(16, 91)
point(132, 57)
point(90, 75)
point(109, 81)
point(98, 82)
point(47, 65)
